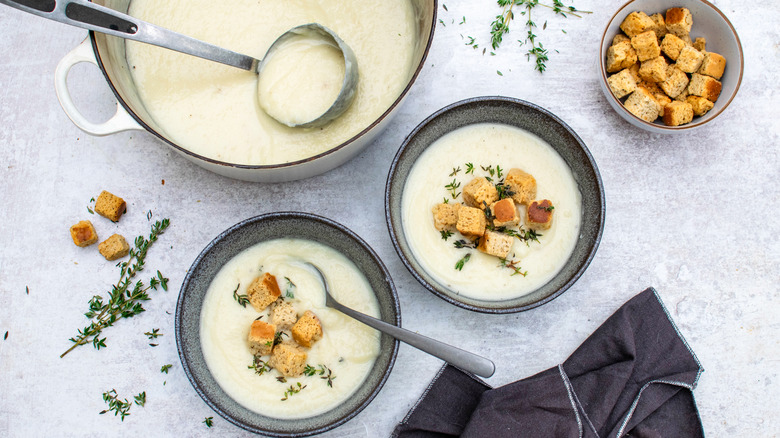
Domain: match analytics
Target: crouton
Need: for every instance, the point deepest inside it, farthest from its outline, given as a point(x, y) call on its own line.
point(83, 234)
point(672, 45)
point(539, 215)
point(705, 86)
point(662, 100)
point(700, 105)
point(471, 221)
point(689, 60)
point(283, 315)
point(700, 44)
point(712, 65)
point(620, 56)
point(307, 330)
point(654, 70)
point(660, 26)
point(636, 23)
point(263, 291)
point(522, 184)
point(646, 45)
point(622, 84)
point(479, 192)
point(675, 82)
point(445, 216)
point(114, 247)
point(679, 21)
point(289, 359)
point(641, 104)
point(619, 38)
point(678, 113)
point(261, 337)
point(496, 244)
point(650, 86)
point(687, 40)
point(110, 206)
point(634, 70)
point(505, 213)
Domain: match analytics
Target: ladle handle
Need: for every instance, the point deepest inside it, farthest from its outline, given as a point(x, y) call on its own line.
point(460, 358)
point(87, 15)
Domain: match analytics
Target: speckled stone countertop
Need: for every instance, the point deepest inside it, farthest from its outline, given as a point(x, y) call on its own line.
point(697, 216)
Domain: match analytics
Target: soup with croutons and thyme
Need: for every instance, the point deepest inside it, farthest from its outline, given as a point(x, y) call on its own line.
point(270, 342)
point(491, 211)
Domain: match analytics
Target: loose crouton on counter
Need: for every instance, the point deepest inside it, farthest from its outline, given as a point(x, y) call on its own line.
point(522, 184)
point(114, 247)
point(283, 315)
point(261, 337)
point(110, 206)
point(289, 359)
point(539, 215)
point(83, 234)
point(479, 192)
point(471, 221)
point(445, 215)
point(263, 291)
point(496, 244)
point(505, 213)
point(307, 330)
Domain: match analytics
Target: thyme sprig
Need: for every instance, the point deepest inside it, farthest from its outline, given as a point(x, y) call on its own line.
point(293, 390)
point(459, 265)
point(242, 299)
point(291, 287)
point(323, 371)
point(453, 188)
point(259, 365)
point(120, 407)
point(124, 299)
point(446, 234)
point(208, 421)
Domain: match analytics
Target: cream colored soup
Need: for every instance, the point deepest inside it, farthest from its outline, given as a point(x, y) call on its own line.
point(213, 110)
point(485, 145)
point(347, 347)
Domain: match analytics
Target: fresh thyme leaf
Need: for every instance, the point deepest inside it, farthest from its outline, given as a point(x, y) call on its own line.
point(125, 298)
point(463, 261)
point(281, 379)
point(209, 421)
point(442, 22)
point(444, 6)
point(140, 399)
point(453, 188)
point(463, 21)
point(446, 201)
point(153, 345)
point(277, 339)
point(548, 208)
point(469, 168)
point(6, 335)
point(513, 265)
point(455, 171)
point(464, 244)
point(293, 390)
point(499, 171)
point(499, 73)
point(259, 365)
point(290, 292)
point(243, 300)
point(165, 368)
point(27, 290)
point(522, 234)
point(154, 334)
point(446, 234)
point(120, 408)
point(503, 190)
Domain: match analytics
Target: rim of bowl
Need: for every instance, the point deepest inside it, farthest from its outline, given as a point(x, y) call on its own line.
point(394, 235)
point(205, 252)
point(609, 94)
point(338, 147)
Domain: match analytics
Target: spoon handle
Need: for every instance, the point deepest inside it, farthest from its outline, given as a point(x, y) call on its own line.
point(87, 15)
point(453, 355)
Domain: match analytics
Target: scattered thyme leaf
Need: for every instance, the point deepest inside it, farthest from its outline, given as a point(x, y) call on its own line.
point(140, 399)
point(469, 168)
point(6, 335)
point(209, 421)
point(455, 171)
point(290, 291)
point(154, 334)
point(446, 234)
point(513, 265)
point(120, 408)
point(459, 265)
point(259, 365)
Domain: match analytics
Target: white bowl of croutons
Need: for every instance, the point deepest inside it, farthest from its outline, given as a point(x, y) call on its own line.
point(670, 66)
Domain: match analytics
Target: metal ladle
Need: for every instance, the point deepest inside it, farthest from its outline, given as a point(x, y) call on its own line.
point(87, 15)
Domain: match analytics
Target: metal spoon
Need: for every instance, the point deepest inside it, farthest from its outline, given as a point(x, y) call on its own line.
point(87, 15)
point(453, 355)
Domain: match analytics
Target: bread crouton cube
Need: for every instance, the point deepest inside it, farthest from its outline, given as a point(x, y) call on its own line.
point(643, 105)
point(83, 234)
point(539, 215)
point(705, 86)
point(712, 65)
point(634, 70)
point(620, 56)
point(689, 60)
point(307, 330)
point(678, 113)
point(479, 192)
point(646, 46)
point(660, 26)
point(622, 84)
point(496, 244)
point(619, 38)
point(679, 21)
point(654, 70)
point(261, 338)
point(263, 291)
point(283, 315)
point(471, 221)
point(662, 100)
point(110, 206)
point(675, 83)
point(636, 23)
point(672, 45)
point(505, 213)
point(289, 359)
point(683, 96)
point(114, 247)
point(700, 44)
point(700, 105)
point(445, 215)
point(651, 87)
point(521, 184)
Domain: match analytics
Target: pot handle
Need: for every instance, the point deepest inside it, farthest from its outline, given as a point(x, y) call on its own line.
point(121, 121)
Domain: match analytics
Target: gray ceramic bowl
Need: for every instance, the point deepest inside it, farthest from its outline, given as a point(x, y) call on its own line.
point(526, 116)
point(227, 245)
point(708, 22)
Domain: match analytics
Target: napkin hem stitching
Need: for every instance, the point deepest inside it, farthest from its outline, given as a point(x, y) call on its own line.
point(572, 395)
point(682, 338)
point(630, 413)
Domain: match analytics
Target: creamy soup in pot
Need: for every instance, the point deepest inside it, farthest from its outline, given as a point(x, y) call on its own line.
point(443, 170)
point(346, 351)
point(213, 110)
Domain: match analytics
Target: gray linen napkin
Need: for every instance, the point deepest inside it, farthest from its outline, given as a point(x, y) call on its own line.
point(633, 377)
